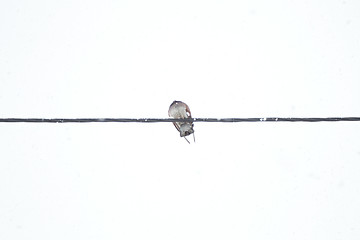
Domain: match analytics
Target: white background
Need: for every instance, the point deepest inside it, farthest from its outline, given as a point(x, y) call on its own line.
point(65, 59)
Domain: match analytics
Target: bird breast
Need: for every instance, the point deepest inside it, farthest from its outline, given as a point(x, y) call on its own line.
point(178, 111)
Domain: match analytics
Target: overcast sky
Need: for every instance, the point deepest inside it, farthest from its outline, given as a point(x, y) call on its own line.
point(66, 59)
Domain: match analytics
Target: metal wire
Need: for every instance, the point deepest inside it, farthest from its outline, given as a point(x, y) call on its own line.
point(154, 120)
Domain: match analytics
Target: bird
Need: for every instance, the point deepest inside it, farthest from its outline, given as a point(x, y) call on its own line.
point(180, 109)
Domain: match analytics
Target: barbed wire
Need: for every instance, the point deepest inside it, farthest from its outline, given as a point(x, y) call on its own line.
point(154, 120)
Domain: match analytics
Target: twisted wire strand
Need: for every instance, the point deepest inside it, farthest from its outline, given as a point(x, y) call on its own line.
point(154, 120)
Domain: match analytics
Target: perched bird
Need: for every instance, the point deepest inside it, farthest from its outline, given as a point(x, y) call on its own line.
point(179, 109)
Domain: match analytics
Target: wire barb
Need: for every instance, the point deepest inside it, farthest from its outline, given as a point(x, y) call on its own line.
point(154, 120)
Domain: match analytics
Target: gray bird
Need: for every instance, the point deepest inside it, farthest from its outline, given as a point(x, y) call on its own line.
point(179, 109)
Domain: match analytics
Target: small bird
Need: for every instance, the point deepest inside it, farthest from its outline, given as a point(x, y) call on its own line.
point(179, 109)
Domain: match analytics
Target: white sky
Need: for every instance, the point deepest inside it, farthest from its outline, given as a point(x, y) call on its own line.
point(131, 59)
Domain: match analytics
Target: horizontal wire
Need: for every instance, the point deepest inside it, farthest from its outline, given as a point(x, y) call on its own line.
point(154, 120)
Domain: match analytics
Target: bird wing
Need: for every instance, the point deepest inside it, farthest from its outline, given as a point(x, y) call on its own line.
point(177, 126)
